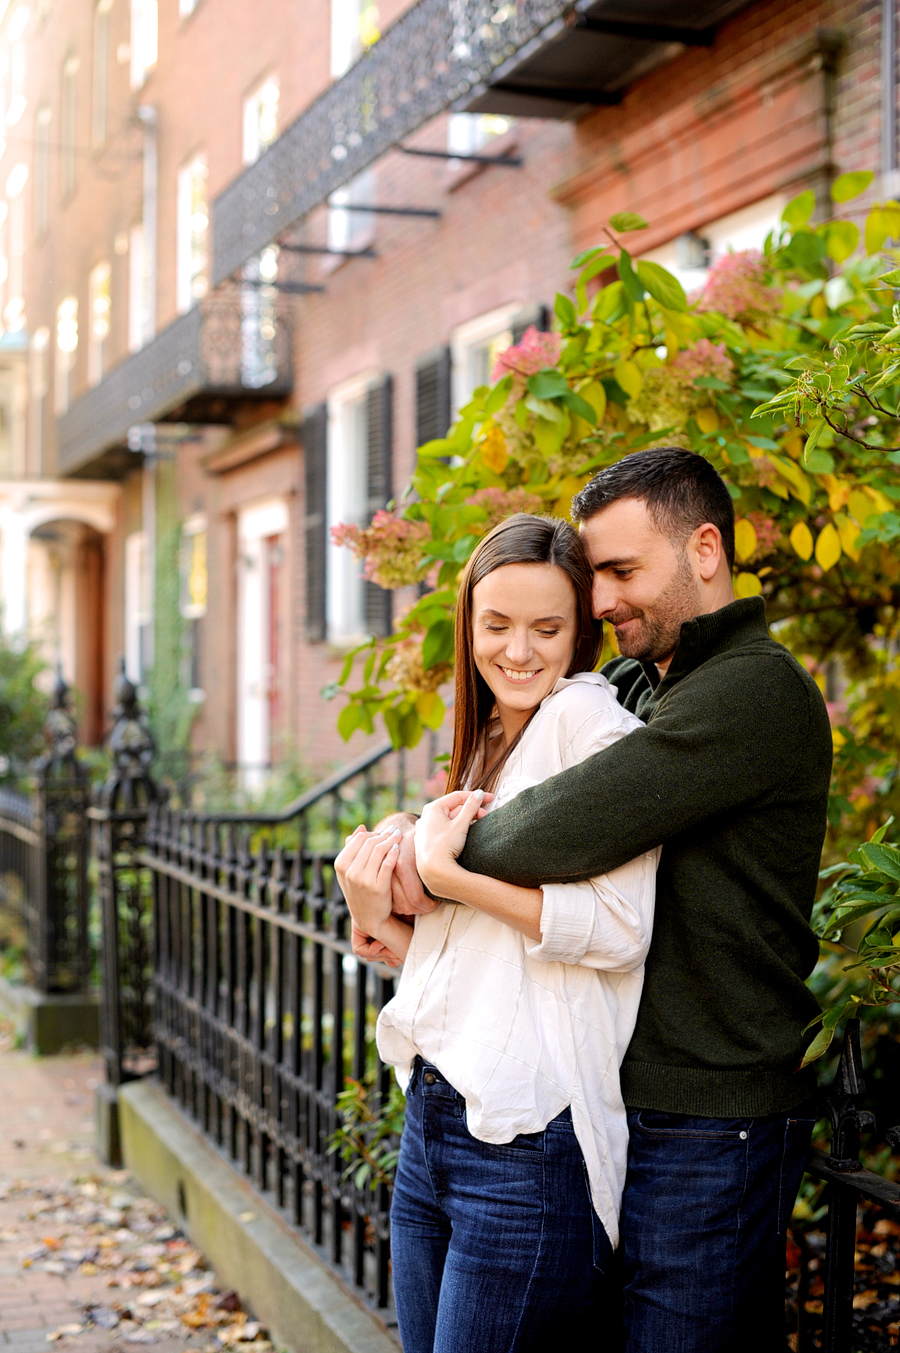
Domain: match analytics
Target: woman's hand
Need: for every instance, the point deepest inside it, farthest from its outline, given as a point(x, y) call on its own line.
point(364, 869)
point(440, 836)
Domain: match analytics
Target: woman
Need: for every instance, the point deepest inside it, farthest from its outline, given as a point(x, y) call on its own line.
point(510, 1021)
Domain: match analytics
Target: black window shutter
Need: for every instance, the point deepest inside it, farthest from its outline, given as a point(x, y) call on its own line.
point(314, 438)
point(379, 490)
point(433, 396)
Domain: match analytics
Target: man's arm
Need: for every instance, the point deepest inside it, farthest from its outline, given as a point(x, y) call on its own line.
point(705, 752)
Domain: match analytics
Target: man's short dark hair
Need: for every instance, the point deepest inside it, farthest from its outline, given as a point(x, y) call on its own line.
point(681, 489)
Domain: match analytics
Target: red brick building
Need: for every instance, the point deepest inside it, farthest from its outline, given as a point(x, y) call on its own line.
point(234, 303)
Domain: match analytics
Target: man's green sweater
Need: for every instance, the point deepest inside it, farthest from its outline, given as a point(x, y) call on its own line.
point(730, 776)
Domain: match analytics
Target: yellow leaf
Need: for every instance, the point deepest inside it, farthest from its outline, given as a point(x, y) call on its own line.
point(861, 505)
point(838, 492)
point(779, 487)
point(493, 450)
point(565, 491)
point(828, 548)
point(797, 481)
point(793, 445)
point(744, 538)
point(849, 534)
point(595, 395)
point(707, 418)
point(801, 540)
point(882, 501)
point(818, 307)
point(672, 344)
point(747, 585)
point(629, 377)
point(837, 739)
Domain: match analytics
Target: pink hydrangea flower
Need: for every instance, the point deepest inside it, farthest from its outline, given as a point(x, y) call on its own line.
point(392, 547)
point(535, 352)
point(737, 286)
point(502, 503)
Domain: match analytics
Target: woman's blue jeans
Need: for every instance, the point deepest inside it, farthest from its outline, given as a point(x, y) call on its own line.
point(496, 1249)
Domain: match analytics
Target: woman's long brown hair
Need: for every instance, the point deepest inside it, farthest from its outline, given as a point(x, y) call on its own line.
point(521, 539)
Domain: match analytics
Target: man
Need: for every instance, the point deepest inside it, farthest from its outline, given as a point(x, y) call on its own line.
point(730, 775)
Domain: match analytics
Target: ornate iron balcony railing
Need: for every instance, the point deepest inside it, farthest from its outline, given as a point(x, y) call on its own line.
point(432, 57)
point(233, 347)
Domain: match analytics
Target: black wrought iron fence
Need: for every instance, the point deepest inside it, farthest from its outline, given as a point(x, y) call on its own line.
point(44, 890)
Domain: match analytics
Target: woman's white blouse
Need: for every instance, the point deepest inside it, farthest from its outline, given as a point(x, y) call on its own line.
point(523, 1029)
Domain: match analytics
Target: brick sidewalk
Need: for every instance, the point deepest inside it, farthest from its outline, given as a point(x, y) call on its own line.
point(80, 1248)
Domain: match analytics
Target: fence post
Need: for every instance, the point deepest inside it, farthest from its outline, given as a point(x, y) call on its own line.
point(59, 953)
point(848, 1122)
point(119, 816)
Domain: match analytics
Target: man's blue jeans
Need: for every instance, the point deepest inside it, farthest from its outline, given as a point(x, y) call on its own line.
point(706, 1207)
point(496, 1249)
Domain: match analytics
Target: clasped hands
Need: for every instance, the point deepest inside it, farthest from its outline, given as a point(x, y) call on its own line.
point(384, 873)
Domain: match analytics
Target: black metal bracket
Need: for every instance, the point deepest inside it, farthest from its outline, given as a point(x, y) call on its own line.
point(558, 94)
point(645, 32)
point(384, 211)
point(291, 288)
point(513, 161)
point(323, 249)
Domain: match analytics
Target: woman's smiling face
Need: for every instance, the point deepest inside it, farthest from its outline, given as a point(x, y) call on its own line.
point(523, 623)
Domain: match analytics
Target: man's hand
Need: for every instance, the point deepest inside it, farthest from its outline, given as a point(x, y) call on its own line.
point(408, 896)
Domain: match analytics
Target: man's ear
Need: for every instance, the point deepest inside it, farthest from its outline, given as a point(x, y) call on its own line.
point(708, 550)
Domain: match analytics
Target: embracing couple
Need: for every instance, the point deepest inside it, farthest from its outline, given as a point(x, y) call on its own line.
point(600, 1029)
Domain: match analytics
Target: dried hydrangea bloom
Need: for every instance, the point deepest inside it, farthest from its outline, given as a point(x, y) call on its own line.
point(669, 394)
point(737, 287)
point(502, 503)
point(392, 547)
point(406, 668)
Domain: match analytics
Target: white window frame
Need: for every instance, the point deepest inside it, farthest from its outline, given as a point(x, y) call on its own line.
point(192, 280)
point(495, 326)
point(138, 603)
point(99, 307)
point(254, 141)
point(347, 500)
point(349, 19)
point(352, 229)
point(100, 104)
point(140, 291)
point(66, 349)
point(468, 133)
point(739, 230)
point(144, 40)
point(256, 523)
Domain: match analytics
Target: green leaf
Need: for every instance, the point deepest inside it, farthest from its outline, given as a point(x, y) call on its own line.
point(884, 858)
point(586, 254)
point(882, 222)
point(410, 728)
point(846, 186)
point(806, 249)
point(623, 221)
point(841, 238)
point(498, 396)
point(565, 311)
point(820, 1045)
point(391, 717)
point(892, 278)
point(547, 384)
point(349, 720)
point(799, 209)
point(629, 277)
point(662, 286)
point(579, 406)
point(818, 462)
point(438, 643)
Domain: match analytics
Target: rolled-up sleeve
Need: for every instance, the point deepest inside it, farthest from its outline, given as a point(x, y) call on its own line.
point(605, 922)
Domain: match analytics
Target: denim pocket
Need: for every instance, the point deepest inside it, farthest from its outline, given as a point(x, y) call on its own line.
point(684, 1127)
point(527, 1144)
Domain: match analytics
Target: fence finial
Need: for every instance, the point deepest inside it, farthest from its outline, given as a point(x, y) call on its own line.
point(129, 783)
point(61, 734)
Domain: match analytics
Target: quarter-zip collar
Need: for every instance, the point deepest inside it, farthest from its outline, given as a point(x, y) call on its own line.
point(706, 636)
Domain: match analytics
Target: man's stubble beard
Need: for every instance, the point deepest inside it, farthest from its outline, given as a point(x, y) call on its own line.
point(658, 630)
